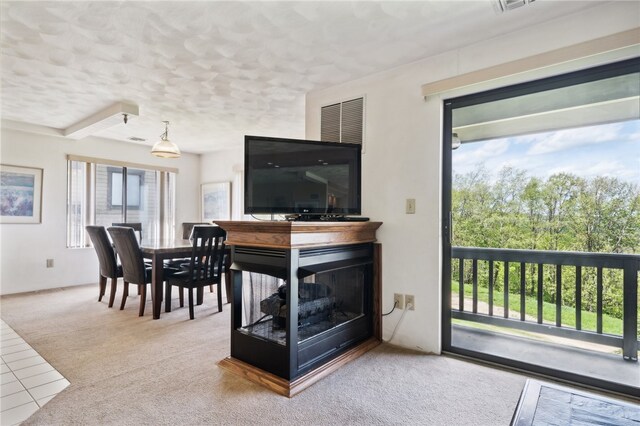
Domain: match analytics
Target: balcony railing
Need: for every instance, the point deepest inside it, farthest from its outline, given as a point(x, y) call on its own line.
point(558, 261)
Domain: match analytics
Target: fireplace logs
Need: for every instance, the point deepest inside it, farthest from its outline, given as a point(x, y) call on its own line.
point(315, 304)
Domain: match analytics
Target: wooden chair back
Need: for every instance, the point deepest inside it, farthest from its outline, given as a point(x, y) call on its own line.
point(187, 228)
point(207, 254)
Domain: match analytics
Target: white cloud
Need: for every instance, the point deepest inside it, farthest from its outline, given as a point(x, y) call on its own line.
point(608, 168)
point(586, 152)
point(571, 138)
point(477, 153)
point(489, 154)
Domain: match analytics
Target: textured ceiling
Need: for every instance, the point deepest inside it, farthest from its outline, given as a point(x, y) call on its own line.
point(220, 70)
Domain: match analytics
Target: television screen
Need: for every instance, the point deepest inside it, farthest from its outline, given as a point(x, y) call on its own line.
point(291, 176)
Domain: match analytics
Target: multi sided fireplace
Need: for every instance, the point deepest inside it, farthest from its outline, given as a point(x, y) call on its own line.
point(300, 304)
point(288, 335)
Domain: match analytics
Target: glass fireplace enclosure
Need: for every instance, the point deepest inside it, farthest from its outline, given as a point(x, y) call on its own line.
point(296, 309)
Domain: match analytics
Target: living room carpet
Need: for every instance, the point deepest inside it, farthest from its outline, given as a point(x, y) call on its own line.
point(550, 404)
point(127, 370)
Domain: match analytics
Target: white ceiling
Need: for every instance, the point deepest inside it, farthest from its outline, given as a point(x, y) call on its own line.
point(220, 70)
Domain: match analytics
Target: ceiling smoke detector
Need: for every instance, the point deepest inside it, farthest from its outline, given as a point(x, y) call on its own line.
point(502, 6)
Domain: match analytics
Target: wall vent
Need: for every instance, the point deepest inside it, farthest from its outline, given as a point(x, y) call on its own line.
point(502, 6)
point(343, 122)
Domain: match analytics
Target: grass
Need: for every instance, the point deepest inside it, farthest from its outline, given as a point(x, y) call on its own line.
point(610, 325)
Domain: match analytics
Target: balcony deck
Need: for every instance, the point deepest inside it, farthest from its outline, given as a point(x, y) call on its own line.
point(602, 366)
point(542, 330)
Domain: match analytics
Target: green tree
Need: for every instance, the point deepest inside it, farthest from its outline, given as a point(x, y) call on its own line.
point(559, 196)
point(563, 212)
point(608, 218)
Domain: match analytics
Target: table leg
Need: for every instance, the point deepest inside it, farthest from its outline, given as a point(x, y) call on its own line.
point(199, 295)
point(157, 277)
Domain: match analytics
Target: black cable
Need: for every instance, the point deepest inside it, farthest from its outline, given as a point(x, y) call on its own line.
point(394, 308)
point(257, 322)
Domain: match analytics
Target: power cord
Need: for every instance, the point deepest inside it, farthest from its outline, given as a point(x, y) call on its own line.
point(392, 309)
point(406, 308)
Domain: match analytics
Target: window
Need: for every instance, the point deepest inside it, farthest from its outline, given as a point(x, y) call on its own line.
point(135, 180)
point(98, 190)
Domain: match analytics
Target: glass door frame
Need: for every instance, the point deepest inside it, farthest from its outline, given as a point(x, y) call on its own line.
point(569, 79)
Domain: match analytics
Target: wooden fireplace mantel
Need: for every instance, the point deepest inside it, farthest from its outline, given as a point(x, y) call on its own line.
point(288, 235)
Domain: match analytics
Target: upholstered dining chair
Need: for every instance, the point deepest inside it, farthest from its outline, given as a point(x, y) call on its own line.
point(133, 267)
point(137, 227)
point(205, 266)
point(109, 267)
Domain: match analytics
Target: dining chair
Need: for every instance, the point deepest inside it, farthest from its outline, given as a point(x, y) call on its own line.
point(187, 228)
point(137, 227)
point(205, 266)
point(134, 269)
point(109, 267)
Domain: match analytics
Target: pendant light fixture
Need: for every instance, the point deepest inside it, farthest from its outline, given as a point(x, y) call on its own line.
point(164, 147)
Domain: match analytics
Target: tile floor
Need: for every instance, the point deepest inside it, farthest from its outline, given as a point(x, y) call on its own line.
point(28, 381)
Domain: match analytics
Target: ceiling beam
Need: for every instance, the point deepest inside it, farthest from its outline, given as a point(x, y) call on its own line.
point(108, 117)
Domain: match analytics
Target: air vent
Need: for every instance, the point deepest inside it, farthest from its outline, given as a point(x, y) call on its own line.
point(330, 123)
point(137, 139)
point(343, 122)
point(260, 252)
point(502, 6)
point(329, 250)
point(352, 121)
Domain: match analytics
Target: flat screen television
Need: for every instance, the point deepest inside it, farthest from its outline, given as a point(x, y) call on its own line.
point(301, 177)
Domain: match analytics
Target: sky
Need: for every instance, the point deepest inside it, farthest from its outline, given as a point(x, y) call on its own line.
point(611, 150)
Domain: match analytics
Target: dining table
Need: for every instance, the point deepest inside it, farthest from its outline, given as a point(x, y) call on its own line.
point(160, 250)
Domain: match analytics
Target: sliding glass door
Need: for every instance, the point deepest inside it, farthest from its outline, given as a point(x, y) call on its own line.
point(542, 208)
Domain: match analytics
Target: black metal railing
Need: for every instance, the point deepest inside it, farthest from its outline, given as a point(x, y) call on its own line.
point(628, 264)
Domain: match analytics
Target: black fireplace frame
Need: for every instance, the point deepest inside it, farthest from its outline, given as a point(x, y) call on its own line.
point(294, 359)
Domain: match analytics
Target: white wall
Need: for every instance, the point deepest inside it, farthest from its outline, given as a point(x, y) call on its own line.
point(226, 166)
point(403, 154)
point(24, 248)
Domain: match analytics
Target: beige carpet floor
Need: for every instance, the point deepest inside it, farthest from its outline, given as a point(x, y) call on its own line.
point(127, 370)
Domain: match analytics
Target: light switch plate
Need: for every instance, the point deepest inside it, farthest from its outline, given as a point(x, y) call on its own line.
point(411, 206)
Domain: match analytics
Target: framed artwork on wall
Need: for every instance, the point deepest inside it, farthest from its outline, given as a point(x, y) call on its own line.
point(215, 201)
point(20, 194)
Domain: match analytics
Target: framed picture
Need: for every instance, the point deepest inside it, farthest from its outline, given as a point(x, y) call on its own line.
point(215, 201)
point(20, 194)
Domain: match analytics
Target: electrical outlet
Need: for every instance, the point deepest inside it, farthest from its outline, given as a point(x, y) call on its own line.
point(398, 300)
point(49, 263)
point(411, 206)
point(410, 300)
